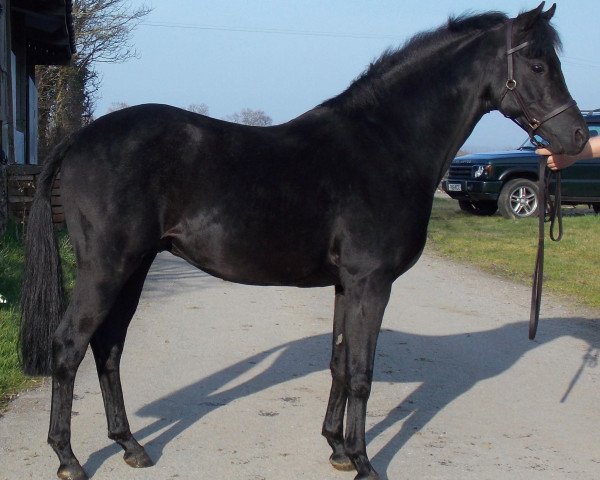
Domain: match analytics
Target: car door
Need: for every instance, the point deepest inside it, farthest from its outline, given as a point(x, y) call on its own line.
point(581, 181)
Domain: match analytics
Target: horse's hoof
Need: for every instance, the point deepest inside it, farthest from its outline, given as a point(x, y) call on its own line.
point(138, 459)
point(71, 472)
point(340, 461)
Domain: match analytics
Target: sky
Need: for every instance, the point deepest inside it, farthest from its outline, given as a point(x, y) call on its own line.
point(286, 56)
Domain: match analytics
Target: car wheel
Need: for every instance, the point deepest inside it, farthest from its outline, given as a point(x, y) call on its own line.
point(596, 207)
point(482, 207)
point(518, 199)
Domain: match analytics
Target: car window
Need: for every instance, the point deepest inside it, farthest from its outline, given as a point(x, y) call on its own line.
point(594, 130)
point(529, 145)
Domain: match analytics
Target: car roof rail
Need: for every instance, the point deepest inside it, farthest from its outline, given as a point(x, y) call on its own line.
point(591, 112)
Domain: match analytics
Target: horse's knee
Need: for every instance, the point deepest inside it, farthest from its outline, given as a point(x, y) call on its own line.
point(359, 385)
point(338, 372)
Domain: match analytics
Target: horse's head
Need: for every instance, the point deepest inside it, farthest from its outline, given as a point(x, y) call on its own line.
point(534, 93)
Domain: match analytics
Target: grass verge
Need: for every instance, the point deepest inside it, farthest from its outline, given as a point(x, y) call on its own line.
point(508, 248)
point(12, 379)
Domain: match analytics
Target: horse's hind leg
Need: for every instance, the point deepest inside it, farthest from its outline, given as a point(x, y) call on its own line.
point(333, 425)
point(107, 345)
point(95, 292)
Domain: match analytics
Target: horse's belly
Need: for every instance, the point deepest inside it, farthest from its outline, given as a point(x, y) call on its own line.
point(257, 260)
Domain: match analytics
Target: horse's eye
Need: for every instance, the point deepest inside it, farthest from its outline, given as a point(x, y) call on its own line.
point(537, 68)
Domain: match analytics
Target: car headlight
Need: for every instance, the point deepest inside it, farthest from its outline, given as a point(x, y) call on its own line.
point(482, 171)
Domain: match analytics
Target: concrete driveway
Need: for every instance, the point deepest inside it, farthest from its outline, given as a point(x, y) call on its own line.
point(225, 381)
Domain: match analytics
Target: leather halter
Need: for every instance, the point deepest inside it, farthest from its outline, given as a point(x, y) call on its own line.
point(532, 122)
point(545, 205)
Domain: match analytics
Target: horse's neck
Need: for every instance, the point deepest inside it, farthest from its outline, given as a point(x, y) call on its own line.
point(442, 113)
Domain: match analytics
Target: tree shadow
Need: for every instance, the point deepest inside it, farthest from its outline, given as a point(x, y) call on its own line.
point(446, 366)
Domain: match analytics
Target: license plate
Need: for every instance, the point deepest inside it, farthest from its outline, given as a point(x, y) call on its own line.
point(454, 187)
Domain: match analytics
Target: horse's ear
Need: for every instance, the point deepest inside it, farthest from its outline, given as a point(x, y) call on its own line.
point(548, 14)
point(526, 20)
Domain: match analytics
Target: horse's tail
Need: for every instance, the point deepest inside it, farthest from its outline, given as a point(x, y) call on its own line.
point(42, 297)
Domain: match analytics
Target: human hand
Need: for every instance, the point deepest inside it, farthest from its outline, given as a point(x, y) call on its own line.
point(558, 161)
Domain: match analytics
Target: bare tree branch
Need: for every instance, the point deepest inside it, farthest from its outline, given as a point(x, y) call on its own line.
point(67, 95)
point(201, 108)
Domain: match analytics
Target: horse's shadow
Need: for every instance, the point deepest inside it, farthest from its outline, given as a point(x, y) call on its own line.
point(446, 367)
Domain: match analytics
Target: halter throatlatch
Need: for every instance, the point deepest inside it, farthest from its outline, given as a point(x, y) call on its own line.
point(545, 204)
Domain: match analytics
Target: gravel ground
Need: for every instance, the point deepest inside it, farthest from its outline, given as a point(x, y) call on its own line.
point(226, 381)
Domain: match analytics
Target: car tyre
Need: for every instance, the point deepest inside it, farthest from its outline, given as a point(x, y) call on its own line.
point(519, 199)
point(483, 207)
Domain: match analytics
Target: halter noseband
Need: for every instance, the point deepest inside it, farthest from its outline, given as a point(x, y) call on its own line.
point(532, 123)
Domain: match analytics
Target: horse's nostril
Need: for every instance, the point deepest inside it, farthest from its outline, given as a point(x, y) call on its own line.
point(581, 136)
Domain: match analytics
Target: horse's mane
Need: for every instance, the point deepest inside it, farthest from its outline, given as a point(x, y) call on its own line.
point(364, 89)
point(422, 44)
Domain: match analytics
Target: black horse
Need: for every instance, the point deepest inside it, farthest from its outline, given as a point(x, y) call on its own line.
point(338, 196)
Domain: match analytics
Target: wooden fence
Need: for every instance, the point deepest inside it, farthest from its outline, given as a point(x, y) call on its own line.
point(21, 184)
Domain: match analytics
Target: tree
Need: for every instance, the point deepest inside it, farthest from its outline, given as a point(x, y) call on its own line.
point(248, 116)
point(201, 108)
point(117, 106)
point(66, 95)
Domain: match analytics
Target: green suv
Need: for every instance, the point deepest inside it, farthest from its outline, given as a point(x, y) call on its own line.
point(484, 183)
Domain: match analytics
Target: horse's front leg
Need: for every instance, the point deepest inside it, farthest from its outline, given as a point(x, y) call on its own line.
point(366, 300)
point(333, 425)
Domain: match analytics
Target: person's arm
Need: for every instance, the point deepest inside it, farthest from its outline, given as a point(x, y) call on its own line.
point(557, 162)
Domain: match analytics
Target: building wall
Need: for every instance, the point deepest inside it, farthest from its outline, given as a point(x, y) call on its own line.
point(24, 95)
point(19, 27)
point(6, 87)
point(5, 102)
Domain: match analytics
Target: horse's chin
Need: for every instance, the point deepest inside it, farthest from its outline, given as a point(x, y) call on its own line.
point(561, 149)
point(556, 148)
point(567, 144)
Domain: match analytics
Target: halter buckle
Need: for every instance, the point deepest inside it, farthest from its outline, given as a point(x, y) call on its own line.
point(511, 84)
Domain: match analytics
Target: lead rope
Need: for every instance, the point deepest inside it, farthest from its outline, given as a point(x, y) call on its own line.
point(531, 124)
point(553, 207)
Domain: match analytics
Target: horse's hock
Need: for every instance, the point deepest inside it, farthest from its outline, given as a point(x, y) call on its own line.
point(21, 185)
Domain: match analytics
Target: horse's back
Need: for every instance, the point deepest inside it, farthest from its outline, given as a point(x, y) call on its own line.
point(231, 199)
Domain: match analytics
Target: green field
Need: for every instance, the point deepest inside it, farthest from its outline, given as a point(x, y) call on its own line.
point(508, 248)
